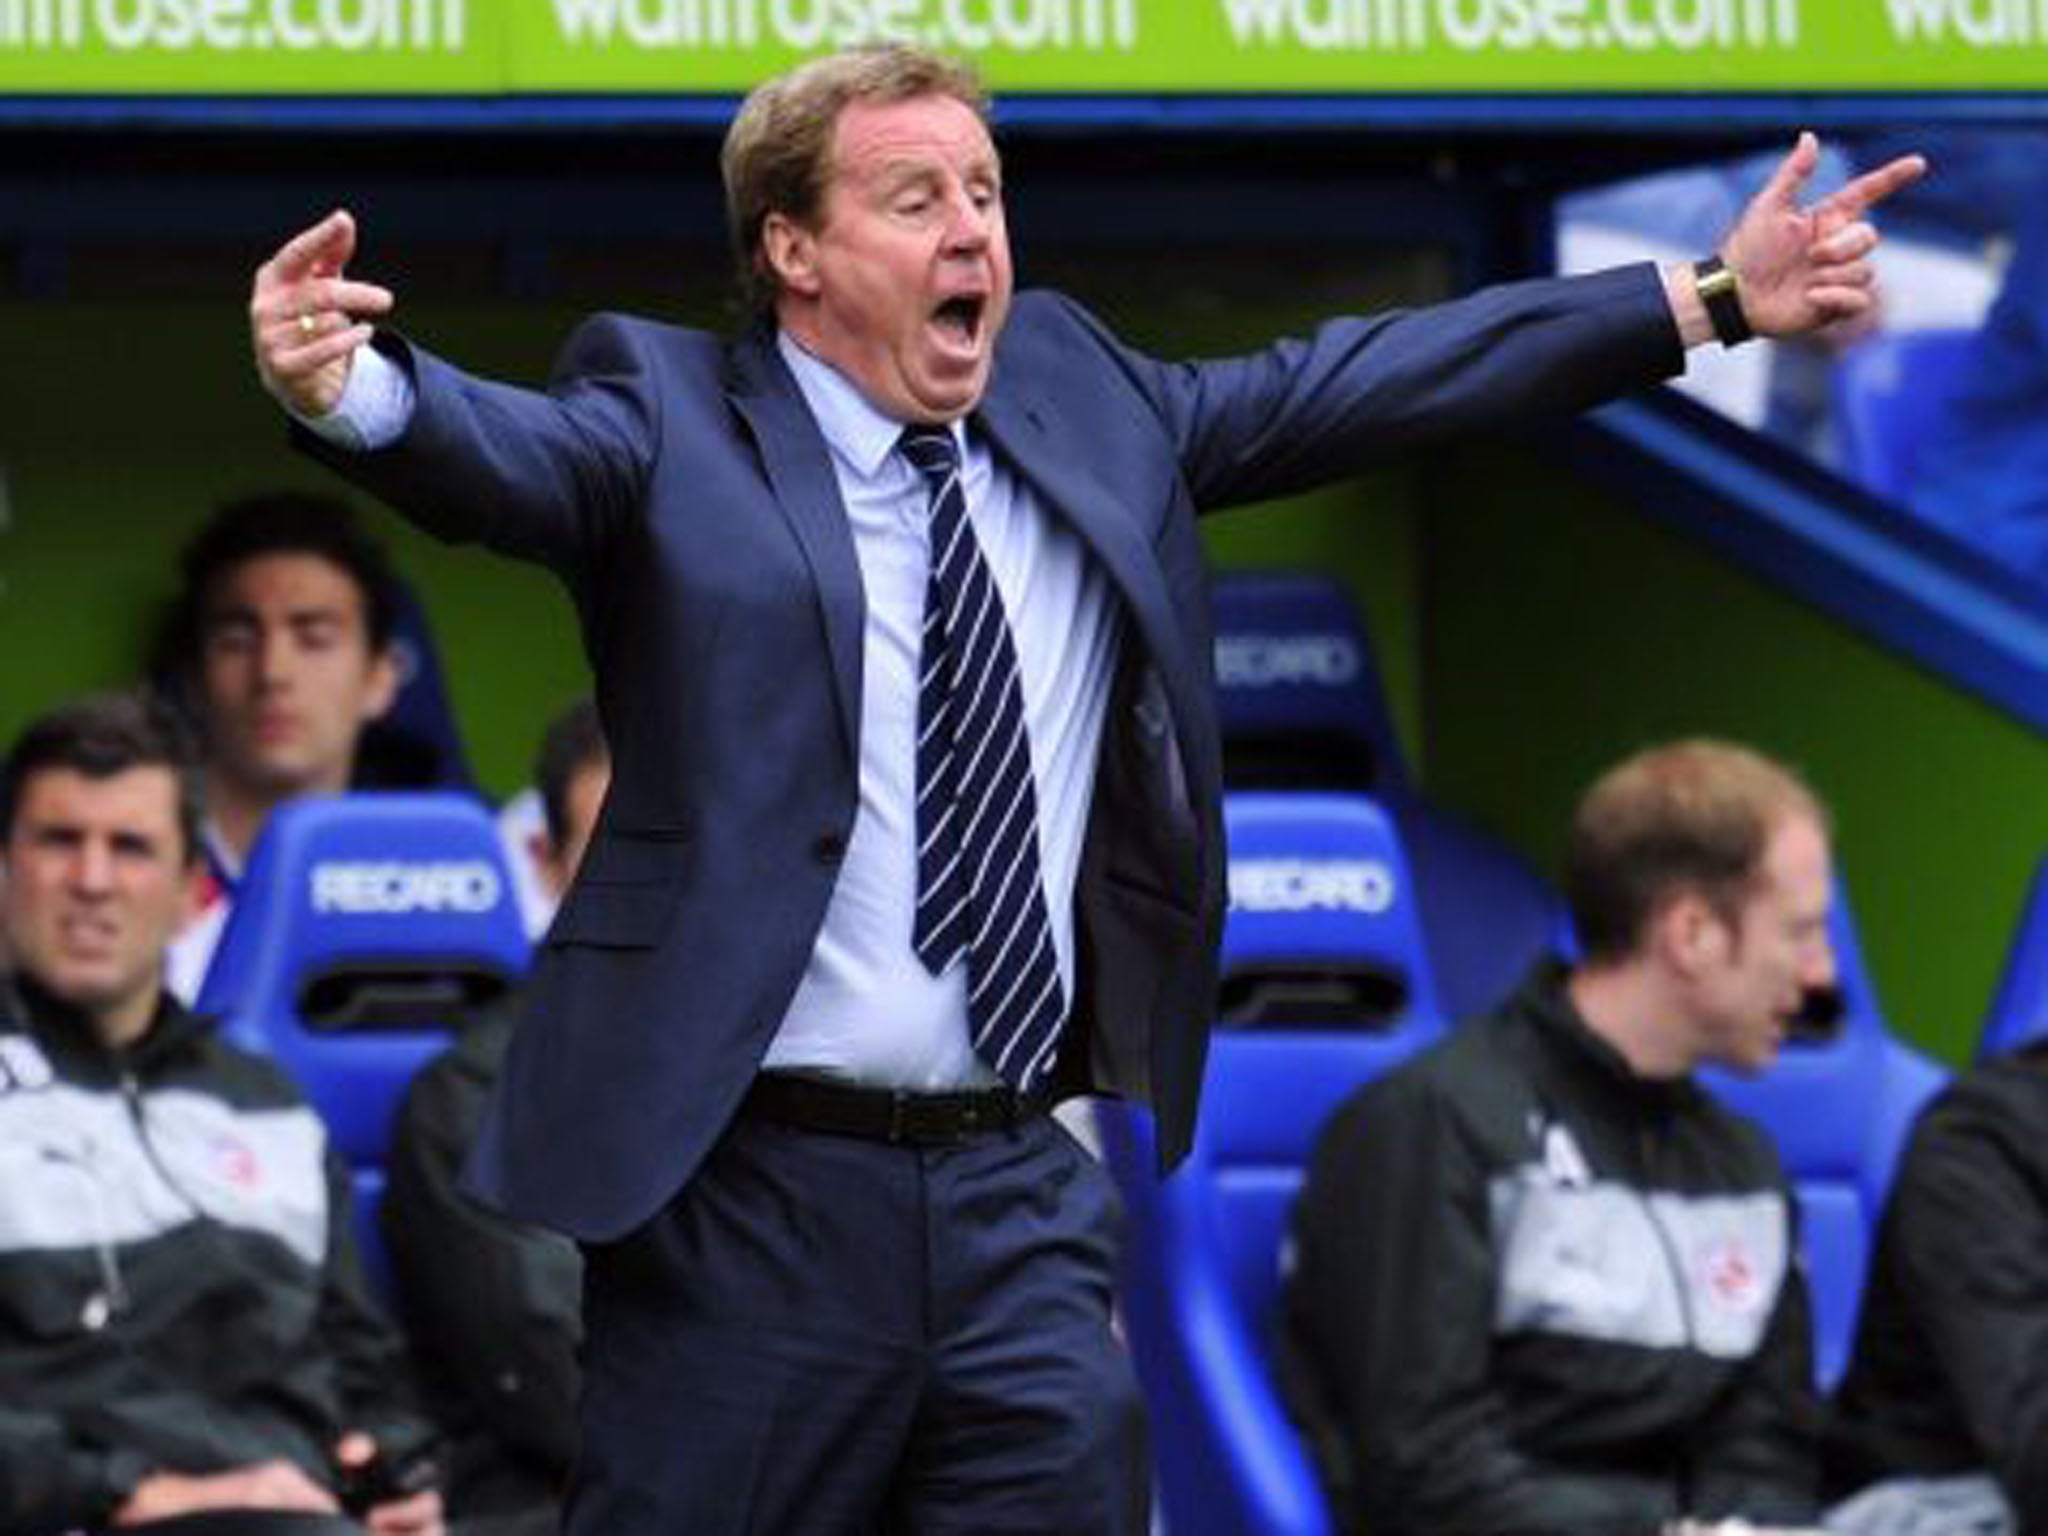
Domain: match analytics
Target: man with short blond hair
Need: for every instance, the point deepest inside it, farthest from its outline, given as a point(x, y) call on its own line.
point(1541, 1281)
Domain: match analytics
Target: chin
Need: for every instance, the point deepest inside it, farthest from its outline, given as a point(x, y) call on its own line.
point(87, 989)
point(946, 405)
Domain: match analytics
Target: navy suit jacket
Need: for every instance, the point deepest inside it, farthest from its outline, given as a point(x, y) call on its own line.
point(679, 486)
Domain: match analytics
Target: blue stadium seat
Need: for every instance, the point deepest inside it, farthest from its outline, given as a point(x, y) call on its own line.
point(1839, 1103)
point(366, 928)
point(1886, 390)
point(1326, 983)
point(1486, 915)
point(2019, 1011)
point(1299, 695)
point(1302, 706)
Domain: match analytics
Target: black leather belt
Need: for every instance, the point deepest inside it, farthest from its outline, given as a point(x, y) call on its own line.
point(889, 1114)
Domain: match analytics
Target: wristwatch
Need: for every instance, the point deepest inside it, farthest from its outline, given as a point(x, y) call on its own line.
point(1716, 284)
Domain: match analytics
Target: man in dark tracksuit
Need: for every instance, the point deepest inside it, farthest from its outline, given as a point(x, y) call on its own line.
point(1542, 1283)
point(1945, 1405)
point(183, 1326)
point(495, 1304)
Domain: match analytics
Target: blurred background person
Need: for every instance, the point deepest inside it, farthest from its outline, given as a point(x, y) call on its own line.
point(495, 1305)
point(1542, 1280)
point(184, 1329)
point(280, 648)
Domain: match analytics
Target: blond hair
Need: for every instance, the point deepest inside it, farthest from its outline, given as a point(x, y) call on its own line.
point(1688, 816)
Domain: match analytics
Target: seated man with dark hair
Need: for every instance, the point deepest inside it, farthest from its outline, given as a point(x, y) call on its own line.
point(1941, 1426)
point(280, 646)
point(1542, 1282)
point(183, 1328)
point(496, 1305)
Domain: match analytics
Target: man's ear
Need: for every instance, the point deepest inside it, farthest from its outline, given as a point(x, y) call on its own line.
point(791, 252)
point(386, 674)
point(1690, 934)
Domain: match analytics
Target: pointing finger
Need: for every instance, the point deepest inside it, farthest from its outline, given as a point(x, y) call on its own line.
point(1873, 187)
point(316, 300)
point(341, 293)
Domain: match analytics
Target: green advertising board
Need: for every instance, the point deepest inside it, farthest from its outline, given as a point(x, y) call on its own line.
point(497, 47)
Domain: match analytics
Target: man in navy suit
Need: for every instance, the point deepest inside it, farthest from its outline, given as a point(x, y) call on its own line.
point(843, 1272)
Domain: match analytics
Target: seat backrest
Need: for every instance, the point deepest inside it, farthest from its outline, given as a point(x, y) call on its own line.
point(1299, 696)
point(1303, 707)
point(365, 930)
point(1486, 914)
point(1887, 389)
point(2019, 1010)
point(1839, 1103)
point(1322, 919)
point(1324, 926)
point(1326, 983)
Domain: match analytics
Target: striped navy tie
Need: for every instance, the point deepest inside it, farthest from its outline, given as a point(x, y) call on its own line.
point(978, 885)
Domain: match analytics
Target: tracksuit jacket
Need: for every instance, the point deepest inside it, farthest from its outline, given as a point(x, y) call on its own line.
point(179, 1288)
point(496, 1306)
point(1532, 1292)
point(1950, 1372)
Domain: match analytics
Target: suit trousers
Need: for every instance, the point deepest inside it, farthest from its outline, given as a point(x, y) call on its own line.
point(823, 1334)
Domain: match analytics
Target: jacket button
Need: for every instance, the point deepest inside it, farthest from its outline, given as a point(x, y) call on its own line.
point(829, 849)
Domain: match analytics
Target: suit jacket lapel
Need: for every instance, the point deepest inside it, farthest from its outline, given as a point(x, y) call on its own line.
point(1030, 436)
point(799, 467)
point(1026, 432)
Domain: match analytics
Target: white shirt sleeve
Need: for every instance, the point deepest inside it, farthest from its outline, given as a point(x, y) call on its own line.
point(375, 407)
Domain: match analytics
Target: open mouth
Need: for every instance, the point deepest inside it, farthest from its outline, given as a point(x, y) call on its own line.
point(959, 318)
point(1817, 1015)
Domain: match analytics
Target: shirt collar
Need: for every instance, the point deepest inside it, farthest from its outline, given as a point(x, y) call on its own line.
point(222, 863)
point(860, 435)
point(171, 1027)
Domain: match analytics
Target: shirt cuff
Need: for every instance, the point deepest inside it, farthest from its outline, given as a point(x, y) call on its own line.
point(375, 407)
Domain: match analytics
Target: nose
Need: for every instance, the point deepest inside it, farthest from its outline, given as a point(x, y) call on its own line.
point(972, 222)
point(1821, 969)
point(273, 657)
point(92, 867)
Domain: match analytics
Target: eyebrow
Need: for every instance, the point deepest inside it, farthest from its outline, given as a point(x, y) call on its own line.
point(915, 167)
point(70, 834)
point(249, 618)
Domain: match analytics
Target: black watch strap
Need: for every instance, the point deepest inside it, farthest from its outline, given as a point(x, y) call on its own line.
point(1715, 282)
